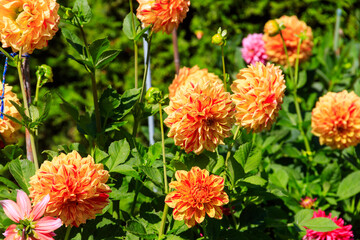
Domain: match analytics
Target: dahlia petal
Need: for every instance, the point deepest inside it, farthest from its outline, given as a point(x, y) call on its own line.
point(12, 210)
point(10, 232)
point(24, 203)
point(199, 215)
point(45, 236)
point(190, 222)
point(39, 208)
point(47, 224)
point(210, 210)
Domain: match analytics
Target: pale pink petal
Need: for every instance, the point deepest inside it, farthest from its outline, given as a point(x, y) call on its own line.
point(10, 232)
point(39, 208)
point(11, 210)
point(46, 236)
point(24, 203)
point(47, 224)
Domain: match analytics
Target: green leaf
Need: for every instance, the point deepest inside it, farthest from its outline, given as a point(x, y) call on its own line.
point(248, 157)
point(69, 109)
point(126, 170)
point(99, 155)
point(109, 101)
point(178, 165)
point(114, 126)
point(321, 224)
point(97, 48)
point(141, 32)
point(302, 79)
point(119, 152)
point(279, 178)
point(106, 57)
point(82, 10)
point(154, 174)
point(22, 170)
point(135, 228)
point(8, 183)
point(256, 180)
point(73, 40)
point(357, 87)
point(127, 25)
point(12, 152)
point(347, 187)
point(34, 113)
point(302, 217)
point(243, 153)
point(154, 152)
point(128, 100)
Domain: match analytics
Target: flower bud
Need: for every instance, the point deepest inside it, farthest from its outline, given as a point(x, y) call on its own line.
point(272, 28)
point(220, 37)
point(44, 74)
point(153, 95)
point(199, 34)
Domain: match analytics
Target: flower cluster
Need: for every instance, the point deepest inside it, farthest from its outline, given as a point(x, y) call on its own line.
point(190, 74)
point(253, 49)
point(76, 187)
point(29, 221)
point(336, 119)
point(9, 130)
point(258, 95)
point(343, 232)
point(294, 28)
point(196, 193)
point(200, 116)
point(164, 15)
point(27, 25)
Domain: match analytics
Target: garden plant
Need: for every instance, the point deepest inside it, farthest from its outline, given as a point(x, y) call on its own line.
point(179, 119)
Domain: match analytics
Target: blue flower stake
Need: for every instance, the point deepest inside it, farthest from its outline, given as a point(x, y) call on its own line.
point(3, 89)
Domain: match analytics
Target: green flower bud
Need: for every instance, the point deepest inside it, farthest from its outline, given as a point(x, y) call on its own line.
point(153, 95)
point(44, 74)
point(219, 38)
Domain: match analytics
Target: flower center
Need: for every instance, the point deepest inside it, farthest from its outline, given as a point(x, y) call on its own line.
point(26, 229)
point(209, 121)
point(200, 193)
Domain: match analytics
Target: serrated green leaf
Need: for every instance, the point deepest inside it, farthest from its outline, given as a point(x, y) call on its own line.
point(154, 174)
point(256, 180)
point(347, 188)
point(22, 170)
point(82, 10)
point(127, 171)
point(8, 183)
point(12, 152)
point(128, 100)
point(99, 155)
point(109, 101)
point(106, 57)
point(97, 48)
point(321, 224)
point(303, 216)
point(119, 152)
point(178, 165)
point(141, 32)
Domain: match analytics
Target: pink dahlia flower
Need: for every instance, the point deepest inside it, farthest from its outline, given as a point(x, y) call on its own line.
point(254, 49)
point(30, 224)
point(343, 232)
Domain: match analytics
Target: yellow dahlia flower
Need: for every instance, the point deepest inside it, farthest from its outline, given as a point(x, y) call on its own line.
point(190, 74)
point(336, 119)
point(196, 193)
point(258, 95)
point(9, 130)
point(293, 29)
point(200, 116)
point(28, 24)
point(76, 187)
point(164, 15)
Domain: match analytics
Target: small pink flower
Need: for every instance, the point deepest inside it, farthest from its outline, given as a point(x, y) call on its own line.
point(341, 233)
point(253, 49)
point(21, 213)
point(307, 202)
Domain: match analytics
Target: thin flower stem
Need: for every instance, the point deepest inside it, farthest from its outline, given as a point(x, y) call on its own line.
point(137, 113)
point(204, 229)
point(136, 52)
point(287, 57)
point(176, 51)
point(230, 147)
point(163, 219)
point(67, 234)
point(6, 54)
point(37, 90)
point(26, 106)
point(223, 64)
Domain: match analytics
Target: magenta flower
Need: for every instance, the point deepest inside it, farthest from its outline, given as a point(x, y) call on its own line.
point(30, 224)
point(253, 49)
point(343, 232)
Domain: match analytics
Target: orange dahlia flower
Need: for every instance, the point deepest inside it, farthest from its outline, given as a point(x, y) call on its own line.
point(28, 24)
point(76, 187)
point(9, 130)
point(190, 74)
point(258, 95)
point(293, 29)
point(196, 193)
point(336, 119)
point(200, 116)
point(164, 15)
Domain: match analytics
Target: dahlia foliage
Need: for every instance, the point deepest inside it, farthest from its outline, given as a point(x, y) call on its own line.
point(27, 25)
point(196, 193)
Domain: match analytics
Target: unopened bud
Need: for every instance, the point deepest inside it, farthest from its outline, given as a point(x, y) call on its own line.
point(199, 34)
point(44, 74)
point(272, 28)
point(219, 38)
point(153, 95)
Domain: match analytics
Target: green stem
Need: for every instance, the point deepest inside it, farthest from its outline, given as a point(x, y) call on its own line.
point(135, 44)
point(230, 146)
point(163, 221)
point(223, 64)
point(297, 64)
point(137, 113)
point(26, 106)
point(37, 90)
point(6, 54)
point(233, 217)
point(138, 186)
point(67, 234)
point(287, 57)
point(204, 229)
